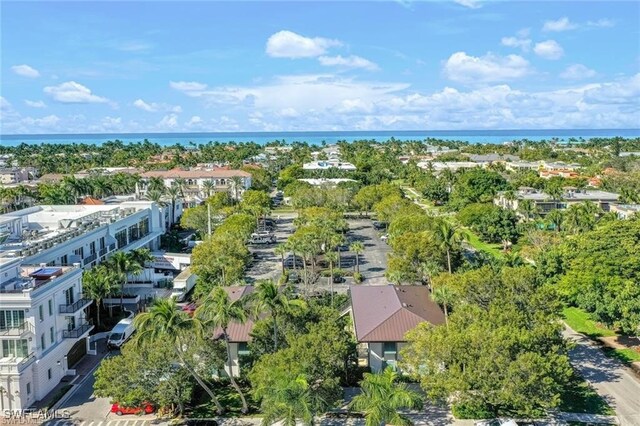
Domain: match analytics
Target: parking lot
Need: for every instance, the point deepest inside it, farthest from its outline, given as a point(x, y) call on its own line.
point(373, 262)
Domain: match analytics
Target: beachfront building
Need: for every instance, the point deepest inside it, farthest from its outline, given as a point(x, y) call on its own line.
point(13, 175)
point(544, 203)
point(329, 164)
point(198, 184)
point(382, 315)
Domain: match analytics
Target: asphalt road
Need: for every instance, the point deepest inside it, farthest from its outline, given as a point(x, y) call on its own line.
point(610, 378)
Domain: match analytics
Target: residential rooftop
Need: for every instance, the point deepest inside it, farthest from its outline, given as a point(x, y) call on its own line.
point(386, 313)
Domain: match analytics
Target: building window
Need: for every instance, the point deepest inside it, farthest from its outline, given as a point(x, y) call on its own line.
point(40, 313)
point(143, 226)
point(121, 238)
point(102, 243)
point(43, 344)
point(50, 303)
point(243, 349)
point(29, 388)
point(92, 247)
point(15, 348)
point(389, 350)
point(11, 319)
point(52, 335)
point(79, 252)
point(64, 260)
point(49, 374)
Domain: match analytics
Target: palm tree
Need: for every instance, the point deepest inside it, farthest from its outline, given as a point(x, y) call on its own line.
point(173, 192)
point(448, 237)
point(208, 186)
point(527, 208)
point(428, 269)
point(382, 397)
point(156, 184)
point(98, 283)
point(165, 321)
point(123, 264)
point(237, 182)
point(142, 256)
point(286, 400)
point(281, 250)
point(358, 248)
point(218, 311)
point(268, 298)
point(332, 257)
point(181, 184)
point(443, 295)
point(556, 217)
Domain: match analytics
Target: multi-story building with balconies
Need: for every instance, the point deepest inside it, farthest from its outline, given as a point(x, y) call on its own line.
point(43, 250)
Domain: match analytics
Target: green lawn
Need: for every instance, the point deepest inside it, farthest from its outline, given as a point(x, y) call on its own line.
point(579, 397)
point(579, 320)
point(475, 241)
point(624, 355)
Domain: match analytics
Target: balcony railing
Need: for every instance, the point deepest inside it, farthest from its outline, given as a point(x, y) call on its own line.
point(77, 332)
point(90, 258)
point(103, 251)
point(28, 360)
point(112, 247)
point(18, 330)
point(75, 306)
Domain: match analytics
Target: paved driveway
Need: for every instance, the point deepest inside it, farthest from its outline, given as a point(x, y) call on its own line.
point(373, 262)
point(610, 378)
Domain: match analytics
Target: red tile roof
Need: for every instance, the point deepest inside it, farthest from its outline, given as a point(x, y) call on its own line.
point(195, 174)
point(386, 313)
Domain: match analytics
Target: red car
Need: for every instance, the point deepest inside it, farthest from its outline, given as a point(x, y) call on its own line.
point(190, 308)
point(146, 408)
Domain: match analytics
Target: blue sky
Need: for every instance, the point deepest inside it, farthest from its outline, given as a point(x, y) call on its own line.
point(91, 67)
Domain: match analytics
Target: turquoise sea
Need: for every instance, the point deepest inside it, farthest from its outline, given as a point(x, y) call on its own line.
point(317, 138)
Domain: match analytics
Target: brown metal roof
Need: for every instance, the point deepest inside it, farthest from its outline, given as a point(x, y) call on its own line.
point(237, 332)
point(386, 313)
point(195, 174)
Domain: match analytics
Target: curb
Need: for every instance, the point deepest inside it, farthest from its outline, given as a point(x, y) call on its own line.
point(75, 386)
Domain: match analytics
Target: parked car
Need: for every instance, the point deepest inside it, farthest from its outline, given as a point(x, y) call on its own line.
point(289, 262)
point(379, 225)
point(385, 237)
point(294, 277)
point(145, 408)
point(262, 238)
point(337, 279)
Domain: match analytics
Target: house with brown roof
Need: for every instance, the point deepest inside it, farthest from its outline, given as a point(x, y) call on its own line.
point(239, 334)
point(220, 179)
point(382, 315)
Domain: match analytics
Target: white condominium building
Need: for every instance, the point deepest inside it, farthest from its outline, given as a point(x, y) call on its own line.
point(43, 250)
point(329, 164)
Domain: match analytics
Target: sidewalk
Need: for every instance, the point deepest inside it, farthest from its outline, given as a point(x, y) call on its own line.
point(83, 367)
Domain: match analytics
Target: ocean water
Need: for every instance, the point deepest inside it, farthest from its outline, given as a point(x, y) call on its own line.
point(317, 138)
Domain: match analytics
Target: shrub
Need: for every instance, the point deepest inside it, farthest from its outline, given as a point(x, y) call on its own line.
point(357, 277)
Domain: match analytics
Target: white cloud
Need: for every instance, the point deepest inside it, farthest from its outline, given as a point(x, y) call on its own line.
point(602, 23)
point(48, 122)
point(288, 113)
point(522, 43)
point(155, 106)
point(562, 24)
point(549, 49)
point(168, 122)
point(195, 121)
point(4, 103)
point(140, 104)
point(577, 72)
point(134, 46)
point(472, 4)
point(287, 44)
point(25, 71)
point(187, 85)
point(72, 92)
point(35, 104)
point(348, 62)
point(463, 68)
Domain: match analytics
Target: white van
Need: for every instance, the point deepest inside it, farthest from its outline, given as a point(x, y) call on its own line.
point(262, 238)
point(121, 333)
